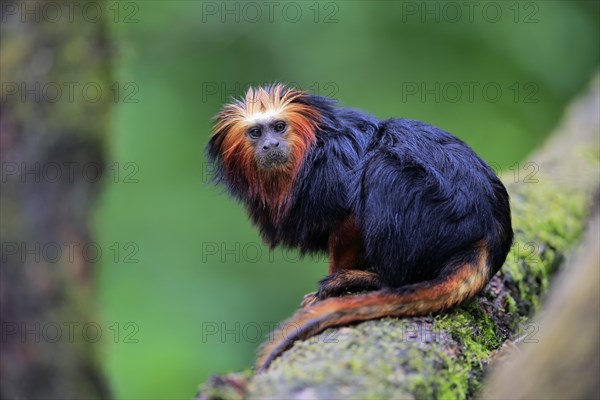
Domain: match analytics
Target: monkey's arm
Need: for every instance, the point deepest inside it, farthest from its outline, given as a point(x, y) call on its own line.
point(346, 266)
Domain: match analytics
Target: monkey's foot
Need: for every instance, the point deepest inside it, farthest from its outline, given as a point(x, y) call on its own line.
point(347, 281)
point(340, 283)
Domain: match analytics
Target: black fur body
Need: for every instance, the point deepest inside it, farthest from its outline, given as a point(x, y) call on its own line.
point(420, 195)
point(407, 211)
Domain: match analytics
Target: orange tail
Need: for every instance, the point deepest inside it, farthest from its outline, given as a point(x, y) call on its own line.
point(417, 299)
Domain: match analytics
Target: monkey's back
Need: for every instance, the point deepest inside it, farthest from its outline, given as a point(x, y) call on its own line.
point(425, 200)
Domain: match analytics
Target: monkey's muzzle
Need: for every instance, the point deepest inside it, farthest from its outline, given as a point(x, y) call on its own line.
point(272, 159)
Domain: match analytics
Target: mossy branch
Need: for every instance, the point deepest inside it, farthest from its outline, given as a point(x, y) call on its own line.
point(446, 355)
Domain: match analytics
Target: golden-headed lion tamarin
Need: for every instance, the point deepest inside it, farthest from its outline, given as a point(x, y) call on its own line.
point(411, 217)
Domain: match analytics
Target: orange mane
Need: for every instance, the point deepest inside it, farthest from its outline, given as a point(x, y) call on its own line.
point(272, 188)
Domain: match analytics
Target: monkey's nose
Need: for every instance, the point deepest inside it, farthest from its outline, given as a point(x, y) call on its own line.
point(270, 144)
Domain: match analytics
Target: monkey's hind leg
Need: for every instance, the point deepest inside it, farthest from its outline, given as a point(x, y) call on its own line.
point(343, 281)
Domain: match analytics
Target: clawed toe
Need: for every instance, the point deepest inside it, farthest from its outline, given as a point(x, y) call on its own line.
point(309, 299)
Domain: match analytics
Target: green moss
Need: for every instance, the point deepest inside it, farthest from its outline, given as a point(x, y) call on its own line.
point(475, 333)
point(473, 329)
point(454, 383)
point(510, 304)
point(547, 222)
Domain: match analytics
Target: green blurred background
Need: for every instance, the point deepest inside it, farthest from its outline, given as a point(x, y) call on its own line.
point(205, 290)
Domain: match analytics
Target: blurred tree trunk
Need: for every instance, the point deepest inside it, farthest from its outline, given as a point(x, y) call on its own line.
point(53, 120)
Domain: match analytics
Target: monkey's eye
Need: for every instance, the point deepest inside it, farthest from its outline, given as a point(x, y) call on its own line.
point(254, 133)
point(279, 126)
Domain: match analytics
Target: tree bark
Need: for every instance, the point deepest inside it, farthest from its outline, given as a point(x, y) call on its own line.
point(564, 360)
point(53, 126)
point(447, 355)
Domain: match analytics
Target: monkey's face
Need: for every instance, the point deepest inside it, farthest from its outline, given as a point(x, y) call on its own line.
point(270, 143)
point(261, 141)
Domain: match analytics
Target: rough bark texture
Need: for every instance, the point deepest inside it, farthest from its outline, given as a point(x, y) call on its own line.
point(52, 150)
point(564, 360)
point(447, 355)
